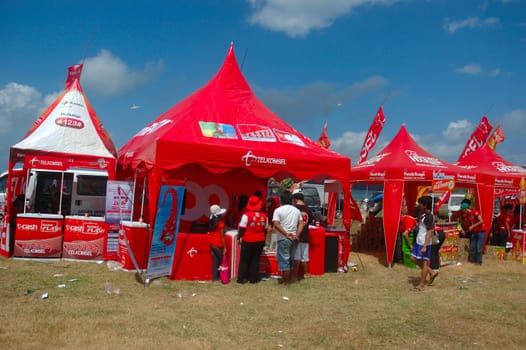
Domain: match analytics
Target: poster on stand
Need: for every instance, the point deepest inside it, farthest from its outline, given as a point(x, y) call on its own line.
point(165, 230)
point(119, 201)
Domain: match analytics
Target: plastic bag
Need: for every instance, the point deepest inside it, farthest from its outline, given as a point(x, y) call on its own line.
point(224, 271)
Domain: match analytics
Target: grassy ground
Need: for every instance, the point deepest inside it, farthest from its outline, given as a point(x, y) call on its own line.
point(468, 307)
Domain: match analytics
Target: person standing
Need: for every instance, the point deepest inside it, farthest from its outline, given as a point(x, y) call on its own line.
point(288, 223)
point(216, 231)
point(472, 225)
point(503, 225)
point(252, 232)
point(421, 252)
point(301, 257)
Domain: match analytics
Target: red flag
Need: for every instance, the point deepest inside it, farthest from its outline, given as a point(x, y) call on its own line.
point(74, 72)
point(324, 139)
point(496, 137)
point(477, 138)
point(372, 135)
point(444, 197)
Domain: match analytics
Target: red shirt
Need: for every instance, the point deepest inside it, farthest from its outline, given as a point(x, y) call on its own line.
point(407, 222)
point(502, 219)
point(470, 217)
point(215, 235)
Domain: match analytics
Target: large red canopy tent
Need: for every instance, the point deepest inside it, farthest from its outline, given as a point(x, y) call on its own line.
point(501, 175)
point(67, 135)
point(401, 167)
point(224, 141)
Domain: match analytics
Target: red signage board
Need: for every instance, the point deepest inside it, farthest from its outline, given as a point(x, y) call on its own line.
point(84, 238)
point(38, 236)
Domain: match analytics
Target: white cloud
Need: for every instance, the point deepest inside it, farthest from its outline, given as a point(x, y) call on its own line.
point(349, 143)
point(513, 123)
point(470, 22)
point(477, 69)
point(108, 75)
point(18, 104)
point(458, 131)
point(297, 18)
point(473, 69)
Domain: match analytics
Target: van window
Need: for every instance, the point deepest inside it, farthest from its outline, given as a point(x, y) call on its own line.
point(3, 183)
point(90, 185)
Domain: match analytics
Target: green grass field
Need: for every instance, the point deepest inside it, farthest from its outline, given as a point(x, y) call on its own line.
point(93, 306)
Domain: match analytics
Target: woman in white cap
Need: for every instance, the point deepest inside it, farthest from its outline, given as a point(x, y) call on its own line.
point(217, 238)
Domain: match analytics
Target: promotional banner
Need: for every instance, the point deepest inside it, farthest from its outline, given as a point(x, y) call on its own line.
point(119, 202)
point(164, 238)
point(372, 135)
point(477, 138)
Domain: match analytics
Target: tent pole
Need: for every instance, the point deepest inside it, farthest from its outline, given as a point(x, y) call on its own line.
point(142, 199)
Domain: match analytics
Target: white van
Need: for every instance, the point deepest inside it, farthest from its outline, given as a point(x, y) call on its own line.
point(83, 192)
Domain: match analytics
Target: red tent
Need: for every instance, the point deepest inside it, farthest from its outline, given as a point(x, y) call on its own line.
point(502, 176)
point(67, 135)
point(402, 166)
point(224, 141)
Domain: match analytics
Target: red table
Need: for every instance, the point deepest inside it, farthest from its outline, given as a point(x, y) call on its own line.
point(38, 236)
point(84, 237)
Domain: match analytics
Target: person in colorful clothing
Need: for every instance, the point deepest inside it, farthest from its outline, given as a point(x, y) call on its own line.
point(217, 238)
point(472, 225)
point(421, 252)
point(252, 231)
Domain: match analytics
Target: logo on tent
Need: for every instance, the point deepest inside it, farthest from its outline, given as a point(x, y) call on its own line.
point(250, 158)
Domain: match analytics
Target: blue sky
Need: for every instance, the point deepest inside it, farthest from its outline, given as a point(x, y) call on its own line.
point(437, 66)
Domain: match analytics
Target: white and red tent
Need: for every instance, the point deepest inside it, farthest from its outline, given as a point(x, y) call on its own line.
point(67, 135)
point(402, 166)
point(223, 136)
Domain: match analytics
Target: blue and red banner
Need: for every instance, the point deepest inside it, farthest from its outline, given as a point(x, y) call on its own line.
point(165, 230)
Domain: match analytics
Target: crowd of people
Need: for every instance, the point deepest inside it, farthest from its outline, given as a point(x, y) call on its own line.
point(424, 238)
point(284, 224)
point(287, 219)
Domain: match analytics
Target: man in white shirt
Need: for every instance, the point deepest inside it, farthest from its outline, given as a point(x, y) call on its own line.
point(287, 221)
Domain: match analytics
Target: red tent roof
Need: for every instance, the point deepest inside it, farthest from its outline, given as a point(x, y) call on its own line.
point(487, 162)
point(402, 159)
point(224, 126)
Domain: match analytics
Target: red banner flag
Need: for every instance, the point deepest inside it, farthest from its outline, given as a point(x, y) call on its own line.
point(444, 197)
point(477, 138)
point(496, 137)
point(372, 135)
point(324, 139)
point(74, 72)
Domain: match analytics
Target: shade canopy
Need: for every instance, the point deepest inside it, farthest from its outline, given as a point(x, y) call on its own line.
point(224, 126)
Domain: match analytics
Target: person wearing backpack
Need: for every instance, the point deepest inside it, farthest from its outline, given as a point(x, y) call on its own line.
point(421, 252)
